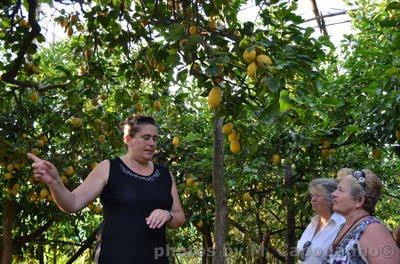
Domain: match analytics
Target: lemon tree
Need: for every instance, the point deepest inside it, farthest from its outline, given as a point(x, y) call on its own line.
point(292, 115)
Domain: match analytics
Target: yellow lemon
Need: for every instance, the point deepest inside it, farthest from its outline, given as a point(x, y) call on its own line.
point(138, 107)
point(93, 165)
point(276, 159)
point(247, 196)
point(23, 23)
point(157, 105)
point(33, 197)
point(101, 139)
point(70, 170)
point(175, 141)
point(190, 181)
point(43, 138)
point(214, 97)
point(227, 128)
point(8, 176)
point(212, 24)
point(10, 167)
point(200, 224)
point(160, 67)
point(234, 147)
point(252, 70)
point(264, 60)
point(64, 179)
point(192, 30)
point(44, 193)
point(249, 55)
point(40, 143)
point(76, 122)
point(233, 136)
point(34, 97)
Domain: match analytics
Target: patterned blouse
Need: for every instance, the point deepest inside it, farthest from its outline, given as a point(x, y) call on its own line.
point(348, 250)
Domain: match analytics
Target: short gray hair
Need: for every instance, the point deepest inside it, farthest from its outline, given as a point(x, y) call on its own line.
point(327, 186)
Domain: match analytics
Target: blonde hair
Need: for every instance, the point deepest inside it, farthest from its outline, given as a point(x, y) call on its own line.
point(371, 191)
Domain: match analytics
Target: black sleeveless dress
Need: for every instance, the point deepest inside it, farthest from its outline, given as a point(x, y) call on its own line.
point(127, 199)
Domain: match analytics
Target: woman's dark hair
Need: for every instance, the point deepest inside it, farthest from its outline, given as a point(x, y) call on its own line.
point(133, 123)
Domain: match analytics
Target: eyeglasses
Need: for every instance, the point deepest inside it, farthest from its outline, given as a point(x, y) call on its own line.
point(303, 252)
point(360, 176)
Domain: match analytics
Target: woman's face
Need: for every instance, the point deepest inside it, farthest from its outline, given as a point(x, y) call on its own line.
point(144, 143)
point(318, 201)
point(343, 202)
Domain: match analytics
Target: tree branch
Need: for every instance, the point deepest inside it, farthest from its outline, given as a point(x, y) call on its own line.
point(37, 86)
point(275, 252)
point(88, 242)
point(19, 242)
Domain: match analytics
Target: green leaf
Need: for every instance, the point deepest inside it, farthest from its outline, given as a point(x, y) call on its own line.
point(273, 84)
point(341, 140)
point(393, 6)
point(176, 32)
point(40, 38)
point(182, 75)
point(325, 40)
point(284, 101)
point(330, 101)
point(271, 111)
point(391, 71)
point(351, 129)
point(308, 31)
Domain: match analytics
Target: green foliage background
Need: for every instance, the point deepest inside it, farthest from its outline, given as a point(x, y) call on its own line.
point(110, 67)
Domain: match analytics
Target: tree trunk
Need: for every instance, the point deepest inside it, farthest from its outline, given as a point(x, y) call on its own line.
point(221, 208)
point(207, 244)
point(262, 254)
point(290, 217)
point(9, 214)
point(41, 253)
point(55, 254)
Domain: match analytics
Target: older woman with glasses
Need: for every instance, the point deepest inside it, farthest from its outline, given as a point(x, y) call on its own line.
point(363, 238)
point(319, 234)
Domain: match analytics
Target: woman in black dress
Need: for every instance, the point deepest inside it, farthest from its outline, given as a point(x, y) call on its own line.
point(140, 198)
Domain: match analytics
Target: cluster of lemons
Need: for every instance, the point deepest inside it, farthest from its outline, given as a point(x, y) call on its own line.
point(233, 137)
point(254, 61)
point(156, 106)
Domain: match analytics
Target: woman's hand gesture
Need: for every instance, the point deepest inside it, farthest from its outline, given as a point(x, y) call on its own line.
point(44, 170)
